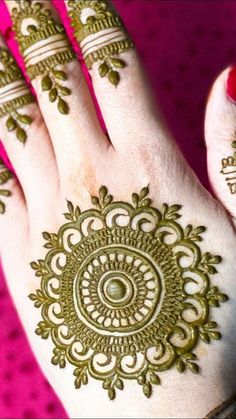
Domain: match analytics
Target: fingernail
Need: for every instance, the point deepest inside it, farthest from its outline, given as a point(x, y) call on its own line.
point(231, 85)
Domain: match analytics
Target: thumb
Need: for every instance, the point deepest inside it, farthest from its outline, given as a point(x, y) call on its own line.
point(220, 135)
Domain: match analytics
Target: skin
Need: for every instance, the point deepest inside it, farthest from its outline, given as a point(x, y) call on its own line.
point(70, 158)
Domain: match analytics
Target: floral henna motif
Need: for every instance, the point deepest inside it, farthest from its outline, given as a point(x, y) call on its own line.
point(5, 176)
point(14, 94)
point(44, 46)
point(101, 35)
point(126, 292)
point(229, 170)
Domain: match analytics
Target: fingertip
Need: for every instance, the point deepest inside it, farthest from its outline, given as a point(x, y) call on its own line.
point(220, 136)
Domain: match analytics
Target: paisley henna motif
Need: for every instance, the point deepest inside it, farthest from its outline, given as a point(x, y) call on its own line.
point(126, 292)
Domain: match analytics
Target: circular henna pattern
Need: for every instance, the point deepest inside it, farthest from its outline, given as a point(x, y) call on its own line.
point(126, 292)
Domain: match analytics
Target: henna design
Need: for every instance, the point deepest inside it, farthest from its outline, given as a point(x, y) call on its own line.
point(101, 35)
point(14, 94)
point(229, 170)
point(5, 176)
point(44, 46)
point(126, 292)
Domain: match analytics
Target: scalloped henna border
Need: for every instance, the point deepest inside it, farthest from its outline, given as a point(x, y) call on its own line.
point(188, 332)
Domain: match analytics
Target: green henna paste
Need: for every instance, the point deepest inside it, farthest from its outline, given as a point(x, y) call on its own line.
point(44, 46)
point(5, 176)
point(101, 35)
point(229, 169)
point(118, 296)
point(14, 94)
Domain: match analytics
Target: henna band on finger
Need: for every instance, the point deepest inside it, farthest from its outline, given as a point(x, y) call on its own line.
point(44, 46)
point(126, 292)
point(14, 94)
point(101, 35)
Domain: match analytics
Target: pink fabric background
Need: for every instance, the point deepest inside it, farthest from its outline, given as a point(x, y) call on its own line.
point(183, 46)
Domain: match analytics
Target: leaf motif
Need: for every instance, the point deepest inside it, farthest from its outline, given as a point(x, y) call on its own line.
point(141, 379)
point(62, 363)
point(215, 335)
point(2, 207)
point(189, 356)
point(53, 94)
point(34, 265)
point(211, 269)
point(114, 77)
point(21, 135)
point(193, 367)
point(11, 124)
point(46, 83)
point(106, 384)
point(77, 212)
point(60, 75)
point(103, 69)
point(164, 209)
point(144, 192)
point(174, 208)
point(199, 230)
point(95, 201)
point(119, 384)
point(155, 379)
point(77, 383)
point(135, 199)
point(85, 379)
point(205, 337)
point(147, 389)
point(64, 90)
point(62, 107)
point(181, 365)
point(216, 259)
point(210, 325)
point(68, 217)
point(117, 62)
point(111, 393)
point(188, 230)
point(25, 119)
point(70, 207)
point(46, 235)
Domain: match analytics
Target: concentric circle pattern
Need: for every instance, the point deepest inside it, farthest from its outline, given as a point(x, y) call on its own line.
point(125, 292)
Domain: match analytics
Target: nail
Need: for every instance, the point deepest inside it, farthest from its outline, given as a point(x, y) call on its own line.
point(231, 85)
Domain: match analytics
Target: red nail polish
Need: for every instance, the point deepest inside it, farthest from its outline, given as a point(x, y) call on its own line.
point(231, 85)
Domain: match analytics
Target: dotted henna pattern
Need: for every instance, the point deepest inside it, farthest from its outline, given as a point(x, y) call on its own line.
point(126, 292)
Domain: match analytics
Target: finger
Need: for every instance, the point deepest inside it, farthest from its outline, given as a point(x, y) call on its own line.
point(61, 89)
point(220, 133)
point(24, 135)
point(12, 206)
point(118, 80)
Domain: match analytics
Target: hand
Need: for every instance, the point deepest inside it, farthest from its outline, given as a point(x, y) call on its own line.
point(67, 158)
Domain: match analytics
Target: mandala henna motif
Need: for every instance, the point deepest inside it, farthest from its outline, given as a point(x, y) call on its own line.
point(101, 34)
point(14, 94)
point(44, 46)
point(126, 292)
point(5, 176)
point(229, 169)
